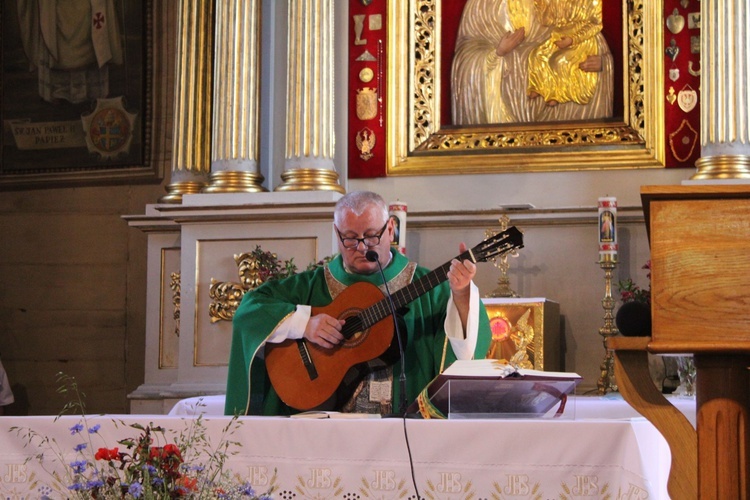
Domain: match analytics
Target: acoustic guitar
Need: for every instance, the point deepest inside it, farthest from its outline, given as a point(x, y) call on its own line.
point(306, 375)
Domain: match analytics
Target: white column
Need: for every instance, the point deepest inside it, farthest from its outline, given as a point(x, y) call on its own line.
point(310, 141)
point(236, 102)
point(725, 79)
point(192, 110)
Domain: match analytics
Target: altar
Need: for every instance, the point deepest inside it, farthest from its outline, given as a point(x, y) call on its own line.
point(618, 455)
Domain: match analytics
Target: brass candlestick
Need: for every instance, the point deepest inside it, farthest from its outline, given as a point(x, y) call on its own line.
point(503, 282)
point(606, 383)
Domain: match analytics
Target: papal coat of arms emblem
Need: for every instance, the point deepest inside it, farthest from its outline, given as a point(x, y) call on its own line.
point(109, 128)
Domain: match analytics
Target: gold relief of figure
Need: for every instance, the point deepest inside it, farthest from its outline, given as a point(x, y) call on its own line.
point(512, 343)
point(523, 339)
point(556, 67)
point(492, 64)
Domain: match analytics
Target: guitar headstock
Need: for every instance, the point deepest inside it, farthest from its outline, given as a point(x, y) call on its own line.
point(501, 243)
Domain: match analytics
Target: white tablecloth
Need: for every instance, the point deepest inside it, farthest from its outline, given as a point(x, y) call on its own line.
point(368, 458)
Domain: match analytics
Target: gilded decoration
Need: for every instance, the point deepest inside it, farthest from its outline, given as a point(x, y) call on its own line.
point(418, 143)
point(503, 282)
point(512, 338)
point(525, 332)
point(175, 286)
point(254, 268)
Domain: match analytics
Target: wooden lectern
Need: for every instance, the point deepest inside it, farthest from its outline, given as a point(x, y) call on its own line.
point(700, 290)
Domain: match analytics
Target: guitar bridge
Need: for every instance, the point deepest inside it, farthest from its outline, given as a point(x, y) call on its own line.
point(306, 359)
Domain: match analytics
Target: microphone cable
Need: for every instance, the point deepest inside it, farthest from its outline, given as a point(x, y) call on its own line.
point(373, 256)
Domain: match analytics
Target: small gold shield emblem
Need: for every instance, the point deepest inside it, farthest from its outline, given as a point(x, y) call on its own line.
point(687, 99)
point(367, 104)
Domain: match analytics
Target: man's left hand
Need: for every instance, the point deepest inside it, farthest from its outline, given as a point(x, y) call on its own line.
point(461, 273)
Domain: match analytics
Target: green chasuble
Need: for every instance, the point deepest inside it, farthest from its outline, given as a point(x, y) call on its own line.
point(427, 349)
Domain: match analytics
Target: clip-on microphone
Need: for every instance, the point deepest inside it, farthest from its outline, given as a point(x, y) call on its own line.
point(373, 256)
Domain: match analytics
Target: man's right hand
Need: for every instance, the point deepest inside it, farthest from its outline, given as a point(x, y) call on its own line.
point(324, 330)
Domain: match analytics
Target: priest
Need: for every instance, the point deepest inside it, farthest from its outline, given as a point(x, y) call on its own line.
point(447, 323)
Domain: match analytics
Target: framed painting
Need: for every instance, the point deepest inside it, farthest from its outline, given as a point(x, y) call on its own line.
point(426, 135)
point(76, 93)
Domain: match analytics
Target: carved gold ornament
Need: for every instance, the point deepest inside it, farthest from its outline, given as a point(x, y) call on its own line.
point(693, 71)
point(366, 75)
point(503, 282)
point(671, 96)
point(367, 103)
point(366, 56)
point(175, 286)
point(675, 22)
point(694, 21)
point(695, 45)
point(359, 24)
point(512, 336)
point(226, 298)
point(365, 141)
point(672, 49)
point(683, 139)
point(687, 99)
point(254, 268)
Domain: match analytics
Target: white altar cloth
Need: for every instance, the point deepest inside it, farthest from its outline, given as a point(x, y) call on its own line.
point(611, 406)
point(368, 458)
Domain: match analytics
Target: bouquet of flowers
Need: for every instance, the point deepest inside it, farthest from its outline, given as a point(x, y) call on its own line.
point(269, 267)
point(630, 292)
point(634, 315)
point(149, 466)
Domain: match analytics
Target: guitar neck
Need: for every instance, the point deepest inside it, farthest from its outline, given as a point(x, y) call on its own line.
point(407, 294)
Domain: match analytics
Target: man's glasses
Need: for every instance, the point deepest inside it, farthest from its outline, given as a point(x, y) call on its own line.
point(367, 241)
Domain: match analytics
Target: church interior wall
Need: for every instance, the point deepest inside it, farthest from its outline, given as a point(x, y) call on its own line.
point(72, 293)
point(73, 273)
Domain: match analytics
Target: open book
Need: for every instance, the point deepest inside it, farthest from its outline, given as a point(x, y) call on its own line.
point(487, 388)
point(332, 414)
point(493, 368)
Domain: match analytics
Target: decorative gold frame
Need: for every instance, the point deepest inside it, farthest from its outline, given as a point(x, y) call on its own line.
point(155, 115)
point(418, 145)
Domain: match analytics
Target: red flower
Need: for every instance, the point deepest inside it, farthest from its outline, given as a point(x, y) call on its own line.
point(186, 484)
point(107, 454)
point(154, 453)
point(171, 459)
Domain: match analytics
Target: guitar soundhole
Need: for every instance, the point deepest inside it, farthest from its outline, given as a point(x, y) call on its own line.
point(358, 337)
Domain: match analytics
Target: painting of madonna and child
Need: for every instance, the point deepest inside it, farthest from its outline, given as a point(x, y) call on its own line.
point(529, 61)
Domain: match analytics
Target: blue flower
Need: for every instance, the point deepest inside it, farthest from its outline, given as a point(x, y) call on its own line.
point(79, 466)
point(94, 429)
point(77, 487)
point(76, 429)
point(136, 490)
point(150, 469)
point(247, 489)
point(96, 483)
point(193, 468)
point(80, 447)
